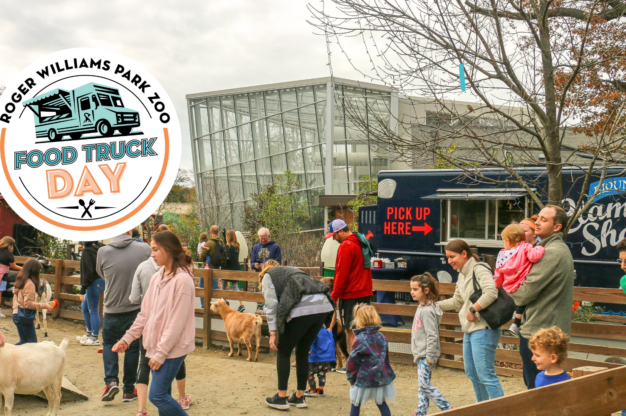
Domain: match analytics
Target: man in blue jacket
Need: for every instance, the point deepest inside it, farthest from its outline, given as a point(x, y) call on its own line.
point(264, 251)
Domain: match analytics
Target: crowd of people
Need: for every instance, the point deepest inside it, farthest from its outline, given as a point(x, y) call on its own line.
point(149, 313)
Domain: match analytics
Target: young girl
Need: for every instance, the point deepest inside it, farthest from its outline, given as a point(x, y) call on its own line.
point(166, 320)
point(7, 262)
point(425, 340)
point(513, 265)
point(368, 368)
point(24, 305)
point(321, 356)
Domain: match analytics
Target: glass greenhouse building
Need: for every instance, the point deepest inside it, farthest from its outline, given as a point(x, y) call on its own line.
point(243, 138)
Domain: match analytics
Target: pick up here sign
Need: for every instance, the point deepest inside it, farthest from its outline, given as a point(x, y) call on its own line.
point(89, 144)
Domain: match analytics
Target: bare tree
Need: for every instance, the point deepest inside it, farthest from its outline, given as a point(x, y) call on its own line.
point(527, 63)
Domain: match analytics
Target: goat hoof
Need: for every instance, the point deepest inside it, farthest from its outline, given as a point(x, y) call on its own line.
point(45, 335)
point(230, 355)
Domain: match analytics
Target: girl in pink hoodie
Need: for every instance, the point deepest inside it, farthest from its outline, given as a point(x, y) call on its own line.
point(513, 265)
point(166, 320)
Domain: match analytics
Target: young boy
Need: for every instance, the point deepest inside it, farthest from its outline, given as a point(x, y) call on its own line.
point(321, 356)
point(549, 347)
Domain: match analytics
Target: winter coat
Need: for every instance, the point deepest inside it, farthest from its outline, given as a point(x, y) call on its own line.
point(323, 349)
point(116, 264)
point(368, 365)
point(352, 280)
point(425, 334)
point(289, 285)
point(514, 271)
point(88, 273)
point(548, 291)
point(264, 252)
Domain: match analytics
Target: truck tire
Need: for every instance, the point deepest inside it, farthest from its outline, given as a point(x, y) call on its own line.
point(104, 128)
point(76, 136)
point(124, 130)
point(53, 136)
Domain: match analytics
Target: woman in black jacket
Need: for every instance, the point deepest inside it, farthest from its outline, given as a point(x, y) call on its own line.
point(233, 262)
point(91, 286)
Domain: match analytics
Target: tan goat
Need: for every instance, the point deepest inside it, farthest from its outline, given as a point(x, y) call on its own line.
point(240, 327)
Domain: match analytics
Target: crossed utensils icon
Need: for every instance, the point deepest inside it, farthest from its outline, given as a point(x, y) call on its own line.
point(86, 208)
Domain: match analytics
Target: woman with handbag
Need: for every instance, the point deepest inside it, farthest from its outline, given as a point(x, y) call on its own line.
point(24, 306)
point(480, 340)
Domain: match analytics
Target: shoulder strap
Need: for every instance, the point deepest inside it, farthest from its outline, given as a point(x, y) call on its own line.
point(476, 285)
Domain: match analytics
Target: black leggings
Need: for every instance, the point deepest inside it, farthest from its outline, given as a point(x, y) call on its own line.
point(143, 373)
point(299, 333)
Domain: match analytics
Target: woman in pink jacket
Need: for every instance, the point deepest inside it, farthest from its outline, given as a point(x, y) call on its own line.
point(166, 320)
point(513, 265)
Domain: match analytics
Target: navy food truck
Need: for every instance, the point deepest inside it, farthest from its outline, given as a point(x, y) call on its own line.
point(419, 211)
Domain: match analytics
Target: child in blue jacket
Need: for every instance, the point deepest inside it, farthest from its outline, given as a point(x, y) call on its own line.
point(321, 356)
point(368, 369)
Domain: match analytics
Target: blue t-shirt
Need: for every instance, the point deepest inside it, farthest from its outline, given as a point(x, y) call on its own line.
point(545, 380)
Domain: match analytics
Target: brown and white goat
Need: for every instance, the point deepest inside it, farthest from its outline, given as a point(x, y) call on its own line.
point(240, 327)
point(30, 368)
point(45, 296)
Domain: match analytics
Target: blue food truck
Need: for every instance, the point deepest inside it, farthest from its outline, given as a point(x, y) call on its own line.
point(418, 211)
point(86, 109)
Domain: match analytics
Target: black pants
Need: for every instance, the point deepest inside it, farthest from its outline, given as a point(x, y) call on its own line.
point(299, 333)
point(114, 327)
point(143, 374)
point(530, 369)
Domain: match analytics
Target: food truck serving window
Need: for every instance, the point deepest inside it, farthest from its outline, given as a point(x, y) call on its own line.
point(479, 215)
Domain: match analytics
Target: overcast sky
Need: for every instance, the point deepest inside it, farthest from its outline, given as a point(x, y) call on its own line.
point(190, 46)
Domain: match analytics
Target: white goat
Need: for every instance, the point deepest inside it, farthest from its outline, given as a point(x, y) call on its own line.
point(31, 368)
point(45, 295)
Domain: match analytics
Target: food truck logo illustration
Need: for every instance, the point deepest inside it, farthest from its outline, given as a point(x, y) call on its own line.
point(91, 108)
point(103, 151)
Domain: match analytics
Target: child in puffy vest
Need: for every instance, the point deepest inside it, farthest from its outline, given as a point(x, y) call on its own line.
point(321, 356)
point(368, 369)
point(513, 265)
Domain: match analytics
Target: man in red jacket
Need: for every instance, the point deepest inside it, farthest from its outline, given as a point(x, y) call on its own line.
point(353, 282)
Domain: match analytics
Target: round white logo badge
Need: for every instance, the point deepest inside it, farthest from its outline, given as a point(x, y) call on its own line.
point(89, 144)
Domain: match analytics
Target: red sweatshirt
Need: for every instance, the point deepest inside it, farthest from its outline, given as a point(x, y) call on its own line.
point(352, 280)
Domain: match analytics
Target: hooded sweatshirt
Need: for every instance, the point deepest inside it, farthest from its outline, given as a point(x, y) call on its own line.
point(352, 280)
point(167, 318)
point(116, 264)
point(425, 334)
point(264, 252)
point(88, 273)
point(141, 280)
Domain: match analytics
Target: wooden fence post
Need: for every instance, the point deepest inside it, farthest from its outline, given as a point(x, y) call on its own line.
point(321, 269)
point(101, 306)
point(58, 276)
point(208, 294)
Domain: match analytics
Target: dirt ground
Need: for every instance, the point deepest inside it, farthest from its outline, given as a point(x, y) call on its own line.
point(220, 385)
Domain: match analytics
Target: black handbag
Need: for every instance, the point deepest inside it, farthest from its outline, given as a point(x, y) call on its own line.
point(500, 311)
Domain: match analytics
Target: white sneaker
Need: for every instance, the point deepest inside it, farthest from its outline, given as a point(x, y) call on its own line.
point(84, 337)
point(90, 342)
point(2, 315)
point(514, 329)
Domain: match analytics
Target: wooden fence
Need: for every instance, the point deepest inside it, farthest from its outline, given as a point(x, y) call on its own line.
point(451, 336)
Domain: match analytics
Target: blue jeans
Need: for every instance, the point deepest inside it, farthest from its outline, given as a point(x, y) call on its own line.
point(202, 287)
point(114, 327)
point(26, 331)
point(161, 388)
point(529, 368)
point(479, 357)
point(90, 306)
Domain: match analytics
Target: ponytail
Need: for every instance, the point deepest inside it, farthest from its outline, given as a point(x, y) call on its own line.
point(459, 246)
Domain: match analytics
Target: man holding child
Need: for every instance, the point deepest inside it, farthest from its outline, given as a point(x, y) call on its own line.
point(548, 291)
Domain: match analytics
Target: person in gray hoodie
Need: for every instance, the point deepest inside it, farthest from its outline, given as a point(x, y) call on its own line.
point(116, 264)
point(425, 340)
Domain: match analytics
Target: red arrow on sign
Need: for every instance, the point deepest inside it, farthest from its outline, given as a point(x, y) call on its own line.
point(426, 228)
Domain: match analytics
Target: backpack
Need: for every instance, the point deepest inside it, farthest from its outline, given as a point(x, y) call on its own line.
point(220, 256)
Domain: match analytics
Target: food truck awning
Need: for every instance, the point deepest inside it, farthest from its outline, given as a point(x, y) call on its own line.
point(45, 96)
point(484, 193)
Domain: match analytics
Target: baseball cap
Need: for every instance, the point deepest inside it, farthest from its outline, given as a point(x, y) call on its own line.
point(334, 226)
